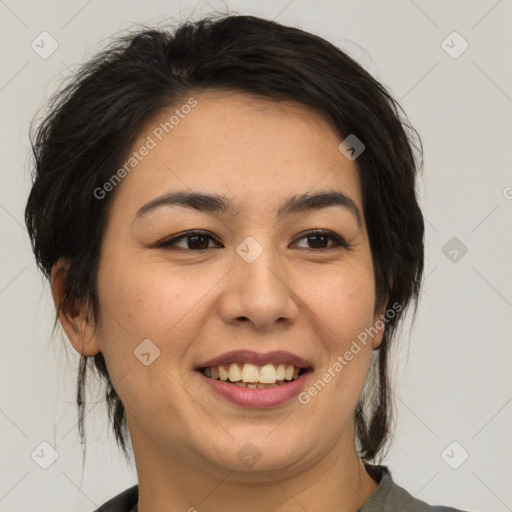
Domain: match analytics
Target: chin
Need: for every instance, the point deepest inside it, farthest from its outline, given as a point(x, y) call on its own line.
point(249, 453)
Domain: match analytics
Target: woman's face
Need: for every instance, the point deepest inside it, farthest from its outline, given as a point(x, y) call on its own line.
point(259, 283)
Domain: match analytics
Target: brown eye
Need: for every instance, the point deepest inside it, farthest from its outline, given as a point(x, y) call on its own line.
point(195, 241)
point(199, 241)
point(319, 240)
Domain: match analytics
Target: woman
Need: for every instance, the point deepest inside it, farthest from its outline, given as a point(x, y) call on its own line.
point(228, 218)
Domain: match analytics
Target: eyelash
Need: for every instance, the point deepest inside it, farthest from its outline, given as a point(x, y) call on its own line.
point(339, 241)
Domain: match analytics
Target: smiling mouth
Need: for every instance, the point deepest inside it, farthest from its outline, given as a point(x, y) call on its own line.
point(252, 376)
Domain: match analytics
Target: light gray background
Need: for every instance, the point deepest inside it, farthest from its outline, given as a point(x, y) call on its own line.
point(452, 377)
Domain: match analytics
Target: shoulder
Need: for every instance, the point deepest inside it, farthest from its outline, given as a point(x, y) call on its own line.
point(123, 502)
point(390, 497)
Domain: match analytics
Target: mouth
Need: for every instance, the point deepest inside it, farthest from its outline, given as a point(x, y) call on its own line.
point(251, 376)
point(248, 379)
point(251, 370)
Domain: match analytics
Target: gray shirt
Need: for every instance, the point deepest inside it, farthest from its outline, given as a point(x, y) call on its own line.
point(388, 497)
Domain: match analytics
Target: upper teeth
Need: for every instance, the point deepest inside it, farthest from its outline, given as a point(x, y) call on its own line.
point(267, 374)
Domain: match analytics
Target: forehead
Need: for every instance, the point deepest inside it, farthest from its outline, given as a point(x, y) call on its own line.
point(254, 149)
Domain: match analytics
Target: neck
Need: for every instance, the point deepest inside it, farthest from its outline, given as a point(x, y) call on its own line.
point(186, 481)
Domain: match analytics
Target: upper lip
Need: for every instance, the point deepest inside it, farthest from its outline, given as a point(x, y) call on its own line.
point(249, 356)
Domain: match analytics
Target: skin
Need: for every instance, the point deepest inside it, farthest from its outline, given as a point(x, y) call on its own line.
point(197, 305)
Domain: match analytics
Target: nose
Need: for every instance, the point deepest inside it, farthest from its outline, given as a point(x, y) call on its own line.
point(260, 293)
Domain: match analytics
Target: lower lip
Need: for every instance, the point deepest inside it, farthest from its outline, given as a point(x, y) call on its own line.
point(260, 398)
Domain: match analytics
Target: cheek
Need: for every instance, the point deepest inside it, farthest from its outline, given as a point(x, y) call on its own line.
point(139, 304)
point(343, 309)
point(343, 302)
point(343, 314)
point(151, 299)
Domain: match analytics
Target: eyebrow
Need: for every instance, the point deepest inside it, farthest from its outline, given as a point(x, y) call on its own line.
point(215, 203)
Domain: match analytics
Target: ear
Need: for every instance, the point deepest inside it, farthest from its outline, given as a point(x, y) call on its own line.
point(379, 323)
point(75, 322)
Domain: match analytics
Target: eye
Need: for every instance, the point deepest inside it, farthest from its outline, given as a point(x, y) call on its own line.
point(199, 240)
point(320, 237)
